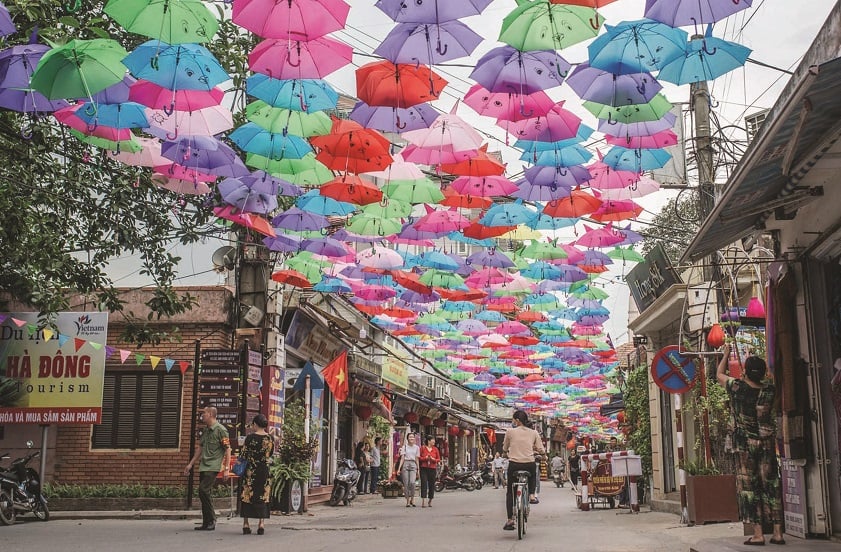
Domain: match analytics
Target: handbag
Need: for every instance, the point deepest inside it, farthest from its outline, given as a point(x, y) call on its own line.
point(239, 467)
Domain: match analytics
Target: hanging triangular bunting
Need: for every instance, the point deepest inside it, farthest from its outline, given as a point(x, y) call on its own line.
point(154, 360)
point(138, 358)
point(62, 339)
point(31, 329)
point(184, 366)
point(96, 346)
point(109, 350)
point(78, 343)
point(169, 364)
point(124, 355)
point(18, 323)
point(3, 318)
point(315, 378)
point(48, 334)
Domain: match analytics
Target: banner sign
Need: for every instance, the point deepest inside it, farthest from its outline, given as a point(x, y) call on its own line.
point(49, 376)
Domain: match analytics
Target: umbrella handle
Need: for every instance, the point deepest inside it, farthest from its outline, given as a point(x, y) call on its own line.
point(90, 109)
point(74, 7)
point(439, 50)
point(154, 62)
point(595, 24)
point(715, 49)
point(641, 87)
point(303, 103)
point(92, 126)
point(289, 58)
point(399, 124)
point(172, 136)
point(169, 110)
point(523, 110)
point(610, 120)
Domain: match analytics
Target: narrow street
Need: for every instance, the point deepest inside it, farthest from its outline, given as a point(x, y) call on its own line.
point(459, 520)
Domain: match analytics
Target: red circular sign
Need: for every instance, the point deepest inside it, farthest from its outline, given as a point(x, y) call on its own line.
point(672, 371)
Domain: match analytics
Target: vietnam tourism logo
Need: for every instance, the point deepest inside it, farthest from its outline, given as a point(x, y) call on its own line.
point(84, 326)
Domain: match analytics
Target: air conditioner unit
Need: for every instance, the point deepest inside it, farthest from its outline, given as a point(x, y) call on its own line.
point(439, 391)
point(430, 382)
point(475, 405)
point(702, 308)
point(446, 389)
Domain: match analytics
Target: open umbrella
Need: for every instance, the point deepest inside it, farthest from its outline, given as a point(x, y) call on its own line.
point(251, 196)
point(448, 130)
point(287, 121)
point(507, 106)
point(158, 97)
point(413, 191)
point(313, 59)
point(484, 186)
point(394, 119)
point(352, 189)
point(636, 160)
point(542, 25)
point(679, 13)
point(432, 11)
point(577, 204)
point(314, 202)
point(704, 59)
point(558, 124)
point(297, 219)
point(662, 139)
point(507, 214)
point(604, 87)
point(506, 69)
point(651, 111)
point(480, 165)
point(428, 43)
point(248, 220)
point(253, 138)
point(350, 147)
point(173, 21)
point(177, 66)
point(7, 27)
point(383, 83)
point(636, 46)
point(298, 94)
point(17, 64)
point(204, 153)
point(291, 19)
point(79, 69)
point(208, 121)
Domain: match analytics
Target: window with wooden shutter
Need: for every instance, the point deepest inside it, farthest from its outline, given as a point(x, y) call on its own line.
point(140, 410)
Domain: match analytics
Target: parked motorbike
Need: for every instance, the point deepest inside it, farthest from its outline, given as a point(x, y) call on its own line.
point(344, 483)
point(488, 473)
point(20, 490)
point(455, 480)
point(558, 477)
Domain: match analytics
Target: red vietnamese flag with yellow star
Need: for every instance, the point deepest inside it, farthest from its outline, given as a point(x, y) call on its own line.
point(336, 377)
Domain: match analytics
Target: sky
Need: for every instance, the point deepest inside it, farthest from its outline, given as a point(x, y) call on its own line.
point(777, 31)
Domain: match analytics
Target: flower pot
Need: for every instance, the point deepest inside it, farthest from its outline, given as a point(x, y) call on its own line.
point(712, 498)
point(391, 493)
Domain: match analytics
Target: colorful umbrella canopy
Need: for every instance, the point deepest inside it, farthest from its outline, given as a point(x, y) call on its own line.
point(636, 47)
point(394, 119)
point(705, 59)
point(433, 11)
point(79, 69)
point(542, 25)
point(313, 59)
point(383, 83)
point(173, 21)
point(291, 19)
point(298, 94)
point(177, 67)
point(507, 106)
point(157, 97)
point(679, 13)
point(506, 69)
point(604, 87)
point(428, 43)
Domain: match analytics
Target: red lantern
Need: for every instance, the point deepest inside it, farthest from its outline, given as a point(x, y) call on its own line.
point(453, 430)
point(363, 412)
point(467, 432)
point(620, 417)
point(411, 417)
point(425, 421)
point(715, 337)
point(440, 422)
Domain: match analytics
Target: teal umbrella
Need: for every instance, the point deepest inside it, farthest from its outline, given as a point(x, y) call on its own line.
point(79, 69)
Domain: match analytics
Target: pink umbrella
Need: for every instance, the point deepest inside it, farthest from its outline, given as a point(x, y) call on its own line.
point(662, 139)
point(157, 97)
point(174, 170)
point(642, 187)
point(312, 59)
point(374, 293)
point(558, 124)
point(399, 169)
point(507, 106)
point(516, 284)
point(148, 156)
point(68, 117)
point(437, 156)
point(512, 327)
point(180, 186)
point(605, 236)
point(291, 18)
point(604, 177)
point(616, 209)
point(380, 257)
point(441, 222)
point(448, 130)
point(484, 186)
point(494, 340)
point(488, 276)
point(207, 122)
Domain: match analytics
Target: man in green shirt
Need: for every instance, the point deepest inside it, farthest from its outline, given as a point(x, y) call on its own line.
point(213, 452)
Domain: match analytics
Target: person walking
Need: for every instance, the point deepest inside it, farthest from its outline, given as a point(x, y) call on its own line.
point(574, 466)
point(213, 452)
point(376, 461)
point(256, 483)
point(408, 468)
point(521, 445)
point(429, 459)
point(754, 446)
point(499, 471)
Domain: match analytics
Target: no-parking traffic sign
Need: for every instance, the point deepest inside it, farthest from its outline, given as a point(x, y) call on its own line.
point(672, 371)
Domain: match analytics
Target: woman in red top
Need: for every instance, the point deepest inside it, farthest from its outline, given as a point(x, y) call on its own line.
point(428, 460)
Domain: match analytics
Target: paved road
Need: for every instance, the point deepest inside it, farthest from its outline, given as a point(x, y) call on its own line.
point(459, 521)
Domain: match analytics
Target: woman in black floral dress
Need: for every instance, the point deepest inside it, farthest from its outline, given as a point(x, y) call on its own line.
point(256, 485)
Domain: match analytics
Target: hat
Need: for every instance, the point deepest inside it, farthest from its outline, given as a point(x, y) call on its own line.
point(755, 369)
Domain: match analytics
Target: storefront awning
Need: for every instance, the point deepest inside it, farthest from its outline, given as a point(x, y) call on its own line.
point(798, 132)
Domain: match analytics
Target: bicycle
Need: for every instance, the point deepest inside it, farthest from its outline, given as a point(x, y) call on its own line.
point(521, 501)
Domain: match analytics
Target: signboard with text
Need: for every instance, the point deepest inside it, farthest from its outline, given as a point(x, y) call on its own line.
point(395, 370)
point(794, 498)
point(221, 385)
point(54, 376)
point(648, 280)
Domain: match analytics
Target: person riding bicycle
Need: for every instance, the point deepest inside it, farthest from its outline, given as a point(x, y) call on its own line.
point(520, 445)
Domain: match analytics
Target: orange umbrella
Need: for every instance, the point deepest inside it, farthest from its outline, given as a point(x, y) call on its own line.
point(576, 205)
point(351, 147)
point(292, 277)
point(480, 231)
point(480, 165)
point(351, 189)
point(531, 316)
point(454, 199)
point(382, 83)
point(410, 280)
point(249, 220)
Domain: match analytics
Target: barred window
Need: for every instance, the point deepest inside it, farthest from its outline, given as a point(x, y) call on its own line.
point(140, 410)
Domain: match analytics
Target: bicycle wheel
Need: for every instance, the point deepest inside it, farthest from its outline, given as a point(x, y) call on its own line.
point(521, 513)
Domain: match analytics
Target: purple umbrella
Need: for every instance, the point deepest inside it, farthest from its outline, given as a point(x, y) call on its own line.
point(206, 154)
point(629, 236)
point(600, 86)
point(28, 101)
point(328, 247)
point(410, 296)
point(543, 175)
point(427, 43)
point(284, 243)
point(432, 11)
point(680, 13)
point(18, 62)
point(531, 192)
point(116, 93)
point(252, 196)
point(345, 236)
point(394, 119)
point(7, 27)
point(506, 69)
point(296, 219)
point(284, 188)
point(490, 257)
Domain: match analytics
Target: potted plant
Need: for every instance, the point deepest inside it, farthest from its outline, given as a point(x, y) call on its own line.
point(390, 488)
point(291, 468)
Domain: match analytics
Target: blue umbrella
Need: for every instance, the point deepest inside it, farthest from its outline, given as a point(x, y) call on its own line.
point(636, 160)
point(584, 133)
point(507, 214)
point(489, 316)
point(461, 238)
point(705, 59)
point(540, 270)
point(119, 115)
point(296, 94)
point(636, 47)
point(177, 67)
point(436, 259)
point(458, 306)
point(564, 157)
point(545, 222)
point(314, 202)
point(253, 138)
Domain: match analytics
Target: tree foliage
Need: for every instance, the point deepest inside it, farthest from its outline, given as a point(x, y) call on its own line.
point(70, 209)
point(638, 417)
point(674, 226)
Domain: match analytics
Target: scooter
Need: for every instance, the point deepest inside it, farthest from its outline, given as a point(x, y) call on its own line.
point(558, 476)
point(488, 473)
point(344, 483)
point(20, 490)
point(455, 480)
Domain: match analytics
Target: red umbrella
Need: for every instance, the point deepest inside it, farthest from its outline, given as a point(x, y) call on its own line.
point(620, 209)
point(576, 205)
point(382, 83)
point(249, 220)
point(480, 165)
point(458, 295)
point(453, 199)
point(410, 280)
point(351, 147)
point(480, 231)
point(351, 189)
point(292, 277)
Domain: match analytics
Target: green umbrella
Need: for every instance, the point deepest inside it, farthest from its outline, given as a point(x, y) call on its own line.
point(389, 209)
point(543, 250)
point(414, 191)
point(304, 263)
point(545, 26)
point(132, 145)
point(441, 278)
point(283, 121)
point(79, 69)
point(367, 225)
point(306, 171)
point(590, 293)
point(634, 113)
point(172, 21)
point(626, 254)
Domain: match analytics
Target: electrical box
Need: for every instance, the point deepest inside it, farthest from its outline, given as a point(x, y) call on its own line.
point(702, 311)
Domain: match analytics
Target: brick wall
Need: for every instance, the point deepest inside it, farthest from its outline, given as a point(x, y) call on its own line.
point(74, 461)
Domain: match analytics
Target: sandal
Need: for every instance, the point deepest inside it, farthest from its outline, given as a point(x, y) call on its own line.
point(509, 526)
point(780, 541)
point(751, 542)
